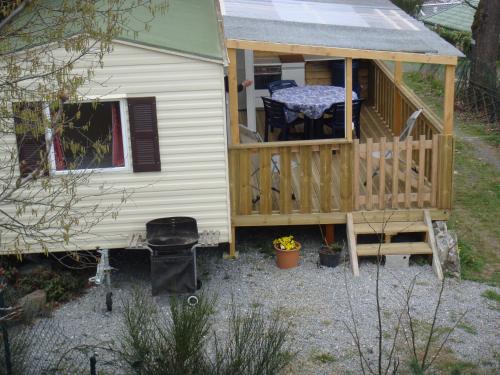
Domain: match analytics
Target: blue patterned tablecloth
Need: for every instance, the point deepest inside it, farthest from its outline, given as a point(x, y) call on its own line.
point(312, 101)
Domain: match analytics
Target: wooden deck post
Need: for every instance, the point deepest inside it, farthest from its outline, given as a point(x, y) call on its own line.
point(235, 139)
point(346, 177)
point(449, 99)
point(445, 171)
point(398, 99)
point(330, 233)
point(348, 98)
point(232, 244)
point(233, 96)
point(446, 142)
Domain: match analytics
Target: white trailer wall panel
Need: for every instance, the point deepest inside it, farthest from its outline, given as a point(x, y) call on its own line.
point(190, 107)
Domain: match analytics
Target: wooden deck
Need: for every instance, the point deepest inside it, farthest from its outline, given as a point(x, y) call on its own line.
point(362, 182)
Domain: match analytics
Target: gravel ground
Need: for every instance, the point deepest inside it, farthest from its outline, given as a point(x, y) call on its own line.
point(314, 300)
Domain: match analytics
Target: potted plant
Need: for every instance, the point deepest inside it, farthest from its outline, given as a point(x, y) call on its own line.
point(330, 255)
point(287, 252)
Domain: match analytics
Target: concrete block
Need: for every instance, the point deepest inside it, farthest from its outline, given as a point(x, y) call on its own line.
point(397, 262)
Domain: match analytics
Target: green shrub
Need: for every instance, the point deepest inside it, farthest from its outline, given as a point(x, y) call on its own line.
point(60, 286)
point(155, 343)
point(254, 346)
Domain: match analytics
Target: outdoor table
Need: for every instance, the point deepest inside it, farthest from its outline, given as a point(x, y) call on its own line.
point(312, 101)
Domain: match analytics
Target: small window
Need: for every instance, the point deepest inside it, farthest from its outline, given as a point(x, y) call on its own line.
point(92, 137)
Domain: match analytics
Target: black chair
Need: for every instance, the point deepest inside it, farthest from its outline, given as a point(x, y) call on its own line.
point(276, 118)
point(337, 119)
point(282, 84)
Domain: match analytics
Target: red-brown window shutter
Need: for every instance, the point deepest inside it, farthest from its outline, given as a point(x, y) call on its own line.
point(31, 146)
point(144, 134)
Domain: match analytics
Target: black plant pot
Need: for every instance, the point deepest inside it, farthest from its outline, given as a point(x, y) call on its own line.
point(329, 258)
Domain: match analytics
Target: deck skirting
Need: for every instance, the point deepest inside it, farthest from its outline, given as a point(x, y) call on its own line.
point(333, 217)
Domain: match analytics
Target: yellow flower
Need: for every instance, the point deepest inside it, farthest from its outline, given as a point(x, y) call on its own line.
point(286, 243)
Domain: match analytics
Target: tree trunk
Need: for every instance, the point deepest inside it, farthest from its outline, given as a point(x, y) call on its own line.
point(485, 49)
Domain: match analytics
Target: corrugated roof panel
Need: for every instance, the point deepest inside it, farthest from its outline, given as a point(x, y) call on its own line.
point(357, 24)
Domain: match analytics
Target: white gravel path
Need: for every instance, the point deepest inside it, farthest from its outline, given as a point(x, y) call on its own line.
point(314, 300)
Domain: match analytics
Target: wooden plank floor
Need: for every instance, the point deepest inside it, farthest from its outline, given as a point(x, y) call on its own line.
point(371, 127)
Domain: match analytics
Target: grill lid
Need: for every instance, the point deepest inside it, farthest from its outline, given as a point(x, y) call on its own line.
point(172, 233)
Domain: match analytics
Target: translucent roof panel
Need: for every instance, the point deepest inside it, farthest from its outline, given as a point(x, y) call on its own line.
point(357, 24)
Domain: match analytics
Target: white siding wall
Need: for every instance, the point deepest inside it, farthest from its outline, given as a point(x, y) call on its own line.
point(191, 124)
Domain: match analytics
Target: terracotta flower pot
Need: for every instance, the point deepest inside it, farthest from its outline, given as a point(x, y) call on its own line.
point(287, 258)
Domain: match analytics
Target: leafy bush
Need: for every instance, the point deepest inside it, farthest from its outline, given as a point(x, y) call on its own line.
point(60, 286)
point(155, 343)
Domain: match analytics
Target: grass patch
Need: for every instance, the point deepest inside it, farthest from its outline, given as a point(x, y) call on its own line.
point(467, 328)
point(324, 358)
point(476, 191)
point(484, 131)
point(458, 367)
point(492, 295)
point(475, 215)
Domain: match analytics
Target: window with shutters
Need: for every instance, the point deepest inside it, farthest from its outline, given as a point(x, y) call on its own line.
point(93, 138)
point(144, 134)
point(30, 138)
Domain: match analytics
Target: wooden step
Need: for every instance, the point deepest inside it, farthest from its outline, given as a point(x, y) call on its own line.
point(391, 228)
point(395, 248)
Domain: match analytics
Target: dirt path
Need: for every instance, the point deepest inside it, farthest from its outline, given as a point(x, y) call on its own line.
point(482, 150)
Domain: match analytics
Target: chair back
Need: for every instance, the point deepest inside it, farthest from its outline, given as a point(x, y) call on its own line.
point(275, 113)
point(410, 124)
point(281, 84)
point(337, 111)
point(249, 136)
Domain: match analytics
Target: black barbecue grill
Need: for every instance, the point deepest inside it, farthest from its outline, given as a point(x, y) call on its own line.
point(172, 234)
point(172, 242)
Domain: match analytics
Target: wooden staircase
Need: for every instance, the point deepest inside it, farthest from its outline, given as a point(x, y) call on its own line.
point(388, 227)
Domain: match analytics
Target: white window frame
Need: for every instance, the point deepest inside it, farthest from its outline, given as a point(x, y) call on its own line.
point(125, 140)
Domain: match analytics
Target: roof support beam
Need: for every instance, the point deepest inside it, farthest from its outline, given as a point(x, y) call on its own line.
point(341, 52)
point(449, 99)
point(348, 99)
point(233, 97)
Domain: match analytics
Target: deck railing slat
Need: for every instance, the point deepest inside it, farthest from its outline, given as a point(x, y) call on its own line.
point(434, 171)
point(346, 178)
point(356, 180)
point(369, 174)
point(305, 181)
point(421, 171)
point(395, 172)
point(381, 184)
point(245, 188)
point(234, 181)
point(265, 162)
point(285, 181)
point(408, 176)
point(325, 178)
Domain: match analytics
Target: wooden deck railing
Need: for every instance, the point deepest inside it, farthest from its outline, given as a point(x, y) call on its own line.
point(312, 177)
point(396, 102)
point(387, 176)
point(291, 177)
